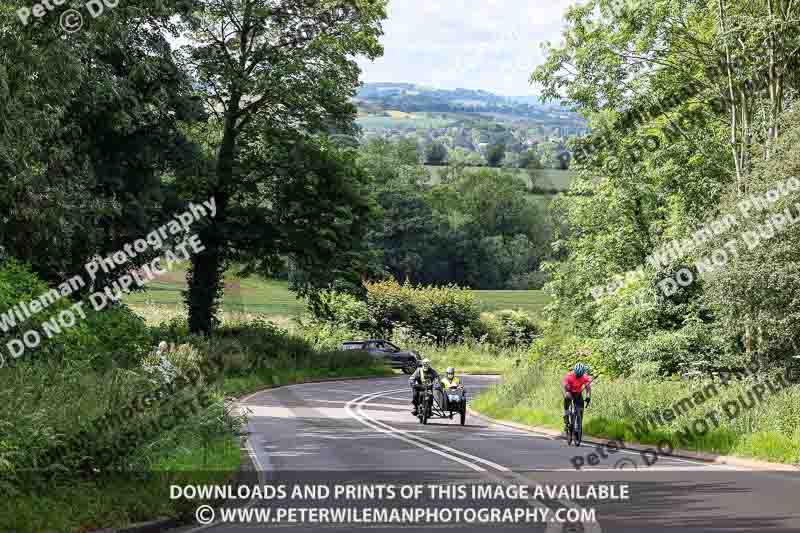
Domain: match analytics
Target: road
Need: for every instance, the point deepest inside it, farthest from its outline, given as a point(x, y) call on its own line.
point(362, 432)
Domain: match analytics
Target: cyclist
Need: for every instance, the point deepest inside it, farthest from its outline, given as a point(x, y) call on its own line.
point(418, 379)
point(571, 387)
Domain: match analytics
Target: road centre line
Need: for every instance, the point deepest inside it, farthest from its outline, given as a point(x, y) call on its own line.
point(486, 462)
point(397, 435)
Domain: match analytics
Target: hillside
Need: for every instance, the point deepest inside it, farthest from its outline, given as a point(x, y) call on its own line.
point(415, 98)
point(468, 122)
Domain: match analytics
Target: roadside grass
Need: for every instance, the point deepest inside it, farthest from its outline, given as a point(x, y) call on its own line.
point(241, 385)
point(768, 430)
point(470, 357)
point(119, 500)
point(202, 447)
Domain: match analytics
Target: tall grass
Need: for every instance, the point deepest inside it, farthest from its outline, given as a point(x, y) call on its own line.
point(471, 357)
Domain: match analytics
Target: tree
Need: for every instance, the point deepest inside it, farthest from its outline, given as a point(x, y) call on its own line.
point(435, 153)
point(84, 173)
point(268, 69)
point(407, 151)
point(530, 159)
point(495, 154)
point(563, 158)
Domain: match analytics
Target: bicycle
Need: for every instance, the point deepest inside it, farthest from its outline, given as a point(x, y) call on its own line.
point(575, 429)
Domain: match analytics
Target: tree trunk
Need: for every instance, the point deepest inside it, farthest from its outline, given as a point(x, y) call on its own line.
point(205, 278)
point(732, 100)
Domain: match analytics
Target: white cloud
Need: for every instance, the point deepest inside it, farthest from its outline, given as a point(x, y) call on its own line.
point(476, 44)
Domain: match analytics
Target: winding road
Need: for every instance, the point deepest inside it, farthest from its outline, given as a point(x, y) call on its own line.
point(361, 432)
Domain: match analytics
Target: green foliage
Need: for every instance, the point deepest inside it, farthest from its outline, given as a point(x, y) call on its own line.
point(444, 314)
point(755, 295)
point(495, 154)
point(435, 154)
point(509, 328)
point(656, 167)
point(111, 337)
point(476, 228)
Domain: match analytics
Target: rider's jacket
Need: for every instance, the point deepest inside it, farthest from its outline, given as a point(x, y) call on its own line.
point(421, 375)
point(575, 384)
point(446, 383)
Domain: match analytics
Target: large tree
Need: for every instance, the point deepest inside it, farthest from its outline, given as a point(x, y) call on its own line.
point(85, 121)
point(268, 69)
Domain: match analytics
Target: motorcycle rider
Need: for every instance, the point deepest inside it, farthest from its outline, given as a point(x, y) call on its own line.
point(417, 380)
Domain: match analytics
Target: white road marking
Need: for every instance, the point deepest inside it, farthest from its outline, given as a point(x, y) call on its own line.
point(363, 420)
point(501, 468)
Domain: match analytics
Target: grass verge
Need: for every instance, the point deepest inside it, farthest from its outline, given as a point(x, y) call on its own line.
point(81, 505)
point(239, 385)
point(470, 357)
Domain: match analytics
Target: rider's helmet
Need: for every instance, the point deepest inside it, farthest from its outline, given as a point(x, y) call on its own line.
point(426, 364)
point(580, 369)
point(450, 372)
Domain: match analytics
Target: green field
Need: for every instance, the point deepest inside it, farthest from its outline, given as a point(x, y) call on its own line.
point(269, 297)
point(531, 302)
point(251, 295)
point(410, 121)
point(546, 178)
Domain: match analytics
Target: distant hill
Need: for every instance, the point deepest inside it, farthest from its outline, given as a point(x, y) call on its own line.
point(411, 98)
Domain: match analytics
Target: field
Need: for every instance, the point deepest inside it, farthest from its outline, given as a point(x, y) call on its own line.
point(404, 121)
point(251, 295)
point(531, 302)
point(256, 295)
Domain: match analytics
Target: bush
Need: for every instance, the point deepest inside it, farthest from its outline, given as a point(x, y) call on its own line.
point(343, 310)
point(112, 337)
point(444, 314)
point(561, 352)
point(436, 314)
point(509, 328)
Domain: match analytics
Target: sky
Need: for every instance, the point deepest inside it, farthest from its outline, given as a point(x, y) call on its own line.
point(492, 45)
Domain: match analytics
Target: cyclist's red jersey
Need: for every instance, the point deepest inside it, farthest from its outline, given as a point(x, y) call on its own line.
point(574, 384)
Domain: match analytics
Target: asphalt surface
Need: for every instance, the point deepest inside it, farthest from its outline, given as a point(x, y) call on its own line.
point(362, 433)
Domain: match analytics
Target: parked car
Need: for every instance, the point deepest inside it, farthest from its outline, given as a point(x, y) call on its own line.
point(407, 361)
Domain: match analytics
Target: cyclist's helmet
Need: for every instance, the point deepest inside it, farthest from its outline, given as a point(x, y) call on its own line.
point(451, 372)
point(580, 369)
